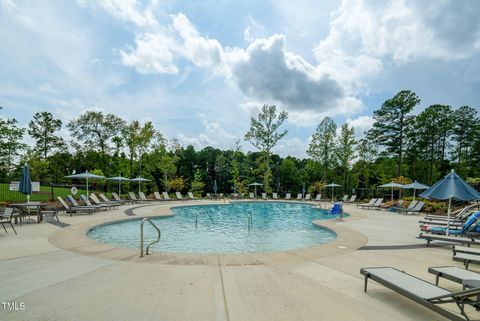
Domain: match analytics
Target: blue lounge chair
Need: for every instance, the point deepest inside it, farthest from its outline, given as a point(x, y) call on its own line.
point(466, 226)
point(336, 209)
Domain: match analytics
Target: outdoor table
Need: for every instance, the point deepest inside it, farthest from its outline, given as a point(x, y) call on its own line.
point(23, 206)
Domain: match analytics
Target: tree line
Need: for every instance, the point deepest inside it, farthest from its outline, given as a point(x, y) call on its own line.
point(400, 145)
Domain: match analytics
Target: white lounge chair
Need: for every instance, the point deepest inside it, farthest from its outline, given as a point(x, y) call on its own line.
point(274, 196)
point(307, 197)
point(288, 196)
point(264, 196)
point(299, 196)
point(251, 195)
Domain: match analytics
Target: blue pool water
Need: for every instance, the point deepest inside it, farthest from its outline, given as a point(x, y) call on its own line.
point(224, 229)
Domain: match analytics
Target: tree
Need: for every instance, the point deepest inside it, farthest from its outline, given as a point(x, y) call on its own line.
point(366, 154)
point(432, 128)
point(392, 121)
point(42, 129)
point(322, 144)
point(177, 183)
point(289, 174)
point(465, 130)
point(10, 144)
point(345, 151)
point(137, 139)
point(197, 184)
point(96, 130)
point(264, 134)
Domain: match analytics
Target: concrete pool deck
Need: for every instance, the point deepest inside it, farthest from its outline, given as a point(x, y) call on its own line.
point(59, 274)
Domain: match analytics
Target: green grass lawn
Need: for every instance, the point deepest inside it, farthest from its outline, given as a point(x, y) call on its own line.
point(45, 194)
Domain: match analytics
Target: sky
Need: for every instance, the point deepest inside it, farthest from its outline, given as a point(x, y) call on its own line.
point(200, 69)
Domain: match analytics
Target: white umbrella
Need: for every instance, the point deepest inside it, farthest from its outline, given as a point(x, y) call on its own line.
point(86, 176)
point(332, 185)
point(120, 179)
point(392, 185)
point(139, 180)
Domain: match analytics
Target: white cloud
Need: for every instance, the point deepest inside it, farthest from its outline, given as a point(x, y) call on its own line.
point(129, 10)
point(360, 124)
point(291, 147)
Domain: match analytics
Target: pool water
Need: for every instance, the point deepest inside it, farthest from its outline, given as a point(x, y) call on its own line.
point(275, 226)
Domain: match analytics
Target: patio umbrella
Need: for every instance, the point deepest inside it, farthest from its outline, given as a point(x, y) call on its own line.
point(451, 186)
point(85, 176)
point(120, 179)
point(415, 185)
point(255, 184)
point(392, 185)
point(332, 185)
point(25, 183)
point(139, 180)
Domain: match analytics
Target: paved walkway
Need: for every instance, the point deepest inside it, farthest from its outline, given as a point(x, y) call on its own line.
point(58, 284)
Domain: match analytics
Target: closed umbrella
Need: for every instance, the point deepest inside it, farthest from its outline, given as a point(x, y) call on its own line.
point(85, 176)
point(332, 185)
point(120, 179)
point(415, 185)
point(303, 190)
point(392, 185)
point(25, 183)
point(255, 184)
point(451, 187)
point(215, 187)
point(139, 180)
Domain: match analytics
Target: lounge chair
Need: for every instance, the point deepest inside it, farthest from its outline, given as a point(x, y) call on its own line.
point(466, 255)
point(110, 204)
point(179, 196)
point(307, 197)
point(344, 198)
point(157, 196)
point(144, 198)
point(410, 206)
point(422, 292)
point(250, 195)
point(370, 202)
point(73, 201)
point(264, 196)
point(133, 197)
point(352, 199)
point(6, 218)
point(234, 196)
point(469, 223)
point(76, 209)
point(318, 197)
point(336, 209)
point(118, 199)
point(208, 196)
point(275, 196)
point(105, 199)
point(299, 196)
point(416, 209)
point(191, 196)
point(454, 274)
point(288, 196)
point(458, 215)
point(448, 239)
point(376, 205)
point(166, 196)
point(100, 206)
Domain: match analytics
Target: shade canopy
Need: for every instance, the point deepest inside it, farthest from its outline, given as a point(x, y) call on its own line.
point(140, 179)
point(86, 176)
point(415, 185)
point(255, 184)
point(25, 182)
point(451, 186)
point(392, 184)
point(118, 178)
point(333, 185)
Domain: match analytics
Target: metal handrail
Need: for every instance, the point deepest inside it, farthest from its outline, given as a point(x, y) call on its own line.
point(141, 236)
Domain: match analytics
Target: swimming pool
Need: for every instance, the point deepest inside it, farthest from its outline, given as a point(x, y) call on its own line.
point(275, 226)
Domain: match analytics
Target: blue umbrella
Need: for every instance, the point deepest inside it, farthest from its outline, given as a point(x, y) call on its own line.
point(415, 185)
point(26, 183)
point(392, 185)
point(451, 186)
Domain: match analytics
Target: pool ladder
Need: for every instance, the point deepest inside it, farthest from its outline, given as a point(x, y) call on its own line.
point(141, 236)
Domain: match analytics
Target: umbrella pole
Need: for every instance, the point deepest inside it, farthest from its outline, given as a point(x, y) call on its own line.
point(119, 188)
point(414, 194)
point(448, 216)
point(87, 188)
point(391, 196)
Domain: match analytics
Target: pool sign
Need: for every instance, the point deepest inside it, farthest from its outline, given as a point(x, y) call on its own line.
point(74, 190)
